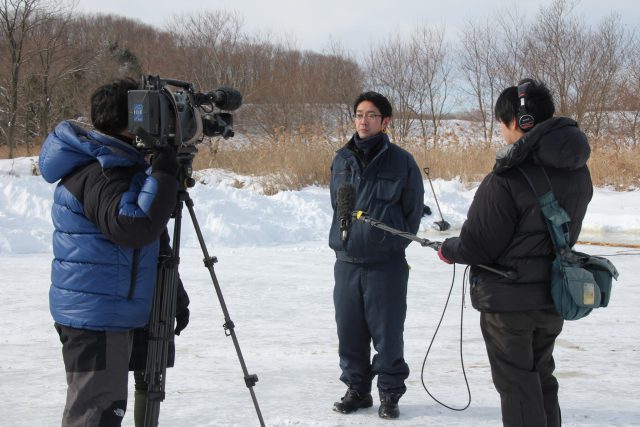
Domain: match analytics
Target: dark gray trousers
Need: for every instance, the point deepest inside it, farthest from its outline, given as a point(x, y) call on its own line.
point(97, 369)
point(371, 304)
point(520, 348)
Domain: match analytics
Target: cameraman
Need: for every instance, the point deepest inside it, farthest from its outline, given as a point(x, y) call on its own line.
point(505, 226)
point(108, 216)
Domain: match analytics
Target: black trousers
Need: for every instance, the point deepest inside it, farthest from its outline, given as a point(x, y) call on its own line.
point(371, 305)
point(96, 365)
point(520, 348)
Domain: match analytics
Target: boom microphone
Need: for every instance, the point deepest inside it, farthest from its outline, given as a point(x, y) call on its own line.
point(346, 202)
point(226, 98)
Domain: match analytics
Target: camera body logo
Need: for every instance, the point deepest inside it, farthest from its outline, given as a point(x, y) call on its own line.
point(138, 112)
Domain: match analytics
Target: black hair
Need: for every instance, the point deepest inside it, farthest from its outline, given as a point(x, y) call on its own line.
point(109, 106)
point(538, 102)
point(380, 101)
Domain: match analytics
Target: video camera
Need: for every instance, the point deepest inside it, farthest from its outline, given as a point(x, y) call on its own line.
point(160, 116)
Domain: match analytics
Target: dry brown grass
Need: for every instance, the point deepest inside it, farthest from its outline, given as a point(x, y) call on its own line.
point(615, 164)
point(296, 161)
point(20, 151)
point(290, 163)
point(468, 164)
point(293, 164)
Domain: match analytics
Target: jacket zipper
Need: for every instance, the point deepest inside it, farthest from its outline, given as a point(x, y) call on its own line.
point(134, 273)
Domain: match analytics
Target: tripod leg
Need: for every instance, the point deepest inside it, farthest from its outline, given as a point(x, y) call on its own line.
point(161, 329)
point(250, 380)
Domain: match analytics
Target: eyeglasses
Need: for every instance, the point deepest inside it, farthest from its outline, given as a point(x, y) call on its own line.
point(367, 116)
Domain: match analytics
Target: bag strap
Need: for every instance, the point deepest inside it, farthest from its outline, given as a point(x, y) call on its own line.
point(556, 218)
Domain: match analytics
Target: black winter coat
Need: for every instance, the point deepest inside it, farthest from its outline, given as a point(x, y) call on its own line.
point(504, 224)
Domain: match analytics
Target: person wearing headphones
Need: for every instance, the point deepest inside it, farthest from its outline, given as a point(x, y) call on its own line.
point(505, 227)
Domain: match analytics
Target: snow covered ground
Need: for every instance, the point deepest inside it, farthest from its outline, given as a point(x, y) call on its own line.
point(275, 271)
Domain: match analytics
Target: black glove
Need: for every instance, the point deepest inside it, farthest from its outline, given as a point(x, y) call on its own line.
point(182, 320)
point(164, 160)
point(426, 210)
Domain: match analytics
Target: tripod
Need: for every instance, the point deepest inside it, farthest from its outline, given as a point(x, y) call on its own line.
point(161, 326)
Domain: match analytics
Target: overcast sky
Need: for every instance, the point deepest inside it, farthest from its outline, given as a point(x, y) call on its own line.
point(354, 24)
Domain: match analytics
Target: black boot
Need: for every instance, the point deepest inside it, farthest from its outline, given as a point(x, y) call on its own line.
point(352, 401)
point(389, 405)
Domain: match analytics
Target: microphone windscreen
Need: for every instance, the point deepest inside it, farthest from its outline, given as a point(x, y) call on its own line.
point(227, 98)
point(346, 200)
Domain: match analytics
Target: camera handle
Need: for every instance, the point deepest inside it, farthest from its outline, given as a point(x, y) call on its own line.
point(362, 216)
point(161, 326)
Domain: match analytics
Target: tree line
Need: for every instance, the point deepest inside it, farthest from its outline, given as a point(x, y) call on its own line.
point(51, 58)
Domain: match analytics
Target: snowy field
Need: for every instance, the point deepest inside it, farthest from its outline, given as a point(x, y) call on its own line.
point(275, 271)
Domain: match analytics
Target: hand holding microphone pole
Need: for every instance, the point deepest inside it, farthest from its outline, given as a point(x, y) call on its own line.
point(345, 205)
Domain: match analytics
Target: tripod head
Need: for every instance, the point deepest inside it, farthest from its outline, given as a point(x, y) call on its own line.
point(185, 156)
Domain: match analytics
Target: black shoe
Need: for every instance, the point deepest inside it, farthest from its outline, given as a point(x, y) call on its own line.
point(389, 405)
point(352, 401)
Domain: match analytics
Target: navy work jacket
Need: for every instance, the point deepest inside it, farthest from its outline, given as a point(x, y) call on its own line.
point(389, 189)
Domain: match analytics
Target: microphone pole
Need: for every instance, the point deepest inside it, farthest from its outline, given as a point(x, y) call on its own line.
point(362, 216)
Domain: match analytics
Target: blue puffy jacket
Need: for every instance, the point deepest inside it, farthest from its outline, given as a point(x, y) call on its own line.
point(390, 189)
point(108, 215)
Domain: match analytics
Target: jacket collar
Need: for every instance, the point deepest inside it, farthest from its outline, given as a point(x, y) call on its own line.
point(556, 142)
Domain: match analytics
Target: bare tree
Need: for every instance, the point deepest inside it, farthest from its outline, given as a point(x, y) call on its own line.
point(602, 63)
point(628, 98)
point(18, 20)
point(433, 70)
point(634, 81)
point(554, 50)
point(210, 44)
point(391, 71)
point(581, 65)
point(343, 83)
point(511, 55)
point(478, 63)
point(56, 61)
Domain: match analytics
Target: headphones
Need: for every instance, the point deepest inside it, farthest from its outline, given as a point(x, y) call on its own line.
point(525, 120)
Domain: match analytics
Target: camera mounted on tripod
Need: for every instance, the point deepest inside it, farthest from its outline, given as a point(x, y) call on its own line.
point(180, 117)
point(168, 120)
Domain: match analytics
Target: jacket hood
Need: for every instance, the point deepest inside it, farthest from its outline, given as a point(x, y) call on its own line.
point(70, 146)
point(556, 142)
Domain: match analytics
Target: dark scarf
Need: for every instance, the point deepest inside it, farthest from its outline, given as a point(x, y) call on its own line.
point(368, 147)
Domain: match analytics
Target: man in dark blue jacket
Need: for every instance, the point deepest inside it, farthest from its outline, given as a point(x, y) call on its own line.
point(371, 272)
point(108, 215)
point(505, 227)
